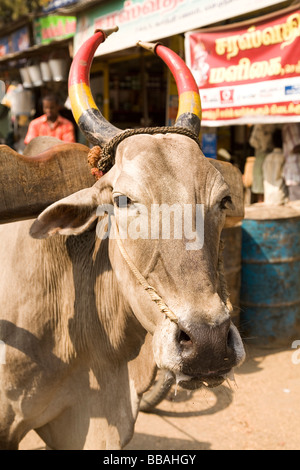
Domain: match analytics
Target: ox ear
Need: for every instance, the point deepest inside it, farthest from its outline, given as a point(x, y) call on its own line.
point(233, 178)
point(69, 216)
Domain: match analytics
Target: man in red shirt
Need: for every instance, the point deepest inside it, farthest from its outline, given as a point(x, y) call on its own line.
point(51, 123)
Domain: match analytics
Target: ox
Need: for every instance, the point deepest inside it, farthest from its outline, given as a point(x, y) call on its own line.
point(86, 319)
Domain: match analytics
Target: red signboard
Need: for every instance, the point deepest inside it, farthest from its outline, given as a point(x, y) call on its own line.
point(248, 74)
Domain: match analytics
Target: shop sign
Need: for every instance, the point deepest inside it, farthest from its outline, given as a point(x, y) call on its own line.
point(150, 20)
point(248, 74)
point(15, 42)
point(48, 28)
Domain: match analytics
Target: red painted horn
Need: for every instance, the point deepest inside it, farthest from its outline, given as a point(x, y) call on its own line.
point(86, 113)
point(189, 109)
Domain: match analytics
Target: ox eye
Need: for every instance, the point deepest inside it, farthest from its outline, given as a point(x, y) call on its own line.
point(225, 202)
point(122, 201)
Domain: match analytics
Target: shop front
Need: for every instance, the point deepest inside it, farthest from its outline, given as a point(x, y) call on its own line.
point(34, 61)
point(131, 90)
point(140, 90)
point(248, 74)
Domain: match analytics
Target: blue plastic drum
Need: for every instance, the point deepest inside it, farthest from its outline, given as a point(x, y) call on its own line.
point(270, 281)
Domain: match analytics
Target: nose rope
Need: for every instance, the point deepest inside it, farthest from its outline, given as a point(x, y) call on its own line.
point(154, 295)
point(149, 289)
point(223, 284)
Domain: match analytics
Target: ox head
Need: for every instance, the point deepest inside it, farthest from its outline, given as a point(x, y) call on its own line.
point(170, 275)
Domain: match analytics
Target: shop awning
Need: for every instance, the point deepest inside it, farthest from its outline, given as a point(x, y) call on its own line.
point(152, 20)
point(36, 50)
point(250, 72)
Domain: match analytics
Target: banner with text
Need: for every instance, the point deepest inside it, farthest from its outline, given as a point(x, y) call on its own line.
point(150, 20)
point(248, 74)
point(48, 28)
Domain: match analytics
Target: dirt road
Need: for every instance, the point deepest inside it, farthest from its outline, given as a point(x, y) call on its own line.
point(262, 411)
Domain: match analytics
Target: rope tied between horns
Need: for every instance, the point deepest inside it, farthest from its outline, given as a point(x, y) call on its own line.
point(102, 159)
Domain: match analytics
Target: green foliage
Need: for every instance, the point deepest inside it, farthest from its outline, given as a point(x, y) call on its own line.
point(13, 10)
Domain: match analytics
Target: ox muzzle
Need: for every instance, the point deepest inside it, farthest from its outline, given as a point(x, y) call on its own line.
point(208, 353)
point(198, 353)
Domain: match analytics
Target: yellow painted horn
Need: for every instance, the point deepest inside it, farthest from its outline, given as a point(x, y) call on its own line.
point(189, 109)
point(86, 113)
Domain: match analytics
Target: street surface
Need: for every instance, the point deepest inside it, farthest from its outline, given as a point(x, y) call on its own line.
point(260, 412)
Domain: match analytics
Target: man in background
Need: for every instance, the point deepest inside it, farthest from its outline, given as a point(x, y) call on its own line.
point(51, 123)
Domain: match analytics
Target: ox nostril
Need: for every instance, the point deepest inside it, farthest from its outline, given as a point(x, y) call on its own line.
point(230, 339)
point(184, 339)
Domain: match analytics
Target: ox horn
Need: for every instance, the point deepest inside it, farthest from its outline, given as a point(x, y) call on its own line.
point(86, 113)
point(189, 109)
